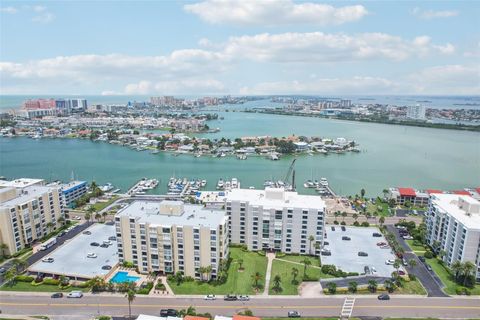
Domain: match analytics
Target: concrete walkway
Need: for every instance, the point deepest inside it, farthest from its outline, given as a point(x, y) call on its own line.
point(168, 291)
point(299, 263)
point(270, 257)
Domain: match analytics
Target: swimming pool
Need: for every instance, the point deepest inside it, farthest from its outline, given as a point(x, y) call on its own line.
point(122, 276)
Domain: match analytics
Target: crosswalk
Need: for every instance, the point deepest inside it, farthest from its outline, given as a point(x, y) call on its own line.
point(347, 308)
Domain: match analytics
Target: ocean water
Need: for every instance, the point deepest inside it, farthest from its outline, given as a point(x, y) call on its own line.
point(391, 156)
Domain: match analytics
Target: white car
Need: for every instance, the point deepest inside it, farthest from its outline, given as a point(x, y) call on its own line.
point(91, 255)
point(407, 237)
point(389, 262)
point(75, 294)
point(49, 260)
point(243, 298)
point(210, 297)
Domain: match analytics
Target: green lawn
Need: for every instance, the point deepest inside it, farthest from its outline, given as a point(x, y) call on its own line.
point(447, 278)
point(284, 270)
point(411, 287)
point(26, 286)
point(420, 250)
point(237, 282)
point(314, 260)
point(381, 207)
point(102, 205)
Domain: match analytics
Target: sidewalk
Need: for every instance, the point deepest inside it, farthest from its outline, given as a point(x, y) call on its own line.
point(270, 257)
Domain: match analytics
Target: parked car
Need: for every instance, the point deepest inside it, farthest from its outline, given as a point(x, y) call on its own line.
point(404, 262)
point(243, 298)
point(346, 238)
point(210, 297)
point(61, 234)
point(2, 270)
point(401, 273)
point(389, 262)
point(230, 297)
point(49, 260)
point(384, 296)
point(293, 314)
point(168, 313)
point(325, 243)
point(94, 244)
point(107, 242)
point(57, 295)
point(385, 247)
point(104, 245)
point(333, 228)
point(362, 254)
point(381, 244)
point(75, 294)
point(343, 228)
point(408, 237)
point(87, 232)
point(106, 267)
point(91, 255)
point(326, 252)
point(113, 238)
point(376, 234)
point(421, 258)
point(428, 267)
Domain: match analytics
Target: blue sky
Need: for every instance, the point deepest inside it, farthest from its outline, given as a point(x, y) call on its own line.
point(239, 47)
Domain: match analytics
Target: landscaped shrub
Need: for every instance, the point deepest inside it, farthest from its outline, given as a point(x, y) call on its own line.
point(335, 222)
point(145, 288)
point(51, 282)
point(428, 255)
point(365, 224)
point(24, 278)
point(343, 223)
point(188, 279)
point(35, 283)
point(82, 285)
point(160, 286)
point(356, 224)
point(128, 264)
point(261, 252)
point(170, 278)
point(280, 255)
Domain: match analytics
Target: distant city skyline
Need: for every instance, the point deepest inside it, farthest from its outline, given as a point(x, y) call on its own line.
point(239, 47)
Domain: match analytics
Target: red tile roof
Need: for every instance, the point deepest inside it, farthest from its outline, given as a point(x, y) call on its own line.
point(478, 190)
point(194, 318)
point(462, 192)
point(239, 317)
point(430, 191)
point(407, 192)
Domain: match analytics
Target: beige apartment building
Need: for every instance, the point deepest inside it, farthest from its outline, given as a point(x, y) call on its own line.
point(172, 236)
point(27, 208)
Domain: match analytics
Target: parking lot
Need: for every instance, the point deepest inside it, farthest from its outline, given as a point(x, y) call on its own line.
point(71, 259)
point(344, 253)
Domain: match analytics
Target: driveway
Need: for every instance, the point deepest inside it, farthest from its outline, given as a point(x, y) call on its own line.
point(429, 280)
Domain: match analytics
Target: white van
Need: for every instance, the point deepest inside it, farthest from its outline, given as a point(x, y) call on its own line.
point(75, 294)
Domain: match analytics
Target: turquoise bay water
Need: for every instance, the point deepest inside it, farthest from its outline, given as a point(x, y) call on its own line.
point(391, 156)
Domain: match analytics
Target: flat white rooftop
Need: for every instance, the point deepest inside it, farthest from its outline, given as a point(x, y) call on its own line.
point(21, 182)
point(26, 195)
point(450, 203)
point(275, 198)
point(71, 257)
point(193, 215)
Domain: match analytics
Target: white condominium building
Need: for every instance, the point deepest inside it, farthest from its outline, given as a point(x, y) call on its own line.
point(171, 236)
point(275, 219)
point(453, 224)
point(416, 112)
point(28, 212)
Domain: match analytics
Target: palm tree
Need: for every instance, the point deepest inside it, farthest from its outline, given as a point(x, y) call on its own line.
point(362, 193)
point(332, 287)
point(306, 262)
point(397, 264)
point(317, 247)
point(201, 270)
point(98, 216)
point(130, 297)
point(294, 275)
point(50, 226)
point(336, 214)
point(19, 264)
point(389, 285)
point(104, 215)
point(344, 215)
point(355, 217)
point(381, 220)
point(87, 216)
point(256, 278)
point(276, 283)
point(311, 239)
point(372, 285)
point(456, 269)
point(352, 286)
point(412, 262)
point(468, 269)
point(61, 220)
point(3, 247)
point(10, 276)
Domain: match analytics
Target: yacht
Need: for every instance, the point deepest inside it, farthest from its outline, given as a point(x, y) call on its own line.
point(203, 183)
point(323, 182)
point(106, 187)
point(220, 184)
point(309, 184)
point(234, 183)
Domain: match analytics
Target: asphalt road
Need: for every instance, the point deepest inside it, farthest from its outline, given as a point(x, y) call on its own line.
point(91, 305)
point(429, 279)
point(40, 254)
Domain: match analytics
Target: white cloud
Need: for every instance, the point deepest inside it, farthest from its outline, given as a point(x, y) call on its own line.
point(447, 79)
point(432, 14)
point(274, 12)
point(323, 47)
point(353, 85)
point(188, 86)
point(43, 17)
point(9, 10)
